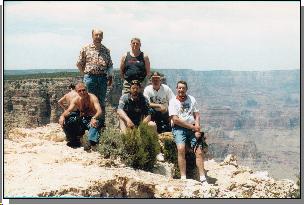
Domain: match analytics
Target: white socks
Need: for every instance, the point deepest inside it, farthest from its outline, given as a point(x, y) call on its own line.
point(203, 178)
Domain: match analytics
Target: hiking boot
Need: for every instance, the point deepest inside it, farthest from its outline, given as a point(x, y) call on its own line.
point(73, 145)
point(90, 145)
point(87, 147)
point(94, 148)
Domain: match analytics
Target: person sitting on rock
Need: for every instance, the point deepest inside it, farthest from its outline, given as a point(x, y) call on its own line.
point(159, 96)
point(186, 128)
point(86, 117)
point(67, 98)
point(133, 108)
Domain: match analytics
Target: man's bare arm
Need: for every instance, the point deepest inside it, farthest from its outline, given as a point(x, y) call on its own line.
point(182, 123)
point(147, 119)
point(159, 106)
point(197, 119)
point(60, 102)
point(96, 106)
point(67, 112)
point(147, 64)
point(122, 66)
point(81, 62)
point(122, 114)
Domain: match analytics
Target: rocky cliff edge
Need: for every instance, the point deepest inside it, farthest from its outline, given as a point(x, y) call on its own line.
point(37, 163)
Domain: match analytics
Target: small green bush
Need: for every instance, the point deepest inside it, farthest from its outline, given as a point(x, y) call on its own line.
point(111, 144)
point(141, 147)
point(137, 148)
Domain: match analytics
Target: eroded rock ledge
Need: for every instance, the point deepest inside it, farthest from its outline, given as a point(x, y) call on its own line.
point(37, 163)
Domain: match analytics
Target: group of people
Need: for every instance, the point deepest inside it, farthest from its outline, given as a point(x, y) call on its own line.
point(155, 104)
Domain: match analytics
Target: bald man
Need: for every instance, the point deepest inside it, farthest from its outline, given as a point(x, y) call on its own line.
point(96, 64)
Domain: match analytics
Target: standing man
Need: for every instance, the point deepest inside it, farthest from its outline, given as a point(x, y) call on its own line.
point(67, 98)
point(159, 96)
point(86, 117)
point(96, 64)
point(186, 129)
point(134, 65)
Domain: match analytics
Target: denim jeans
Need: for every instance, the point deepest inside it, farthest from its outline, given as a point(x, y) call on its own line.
point(75, 126)
point(184, 136)
point(97, 85)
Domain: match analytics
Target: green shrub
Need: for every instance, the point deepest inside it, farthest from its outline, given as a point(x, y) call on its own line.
point(170, 155)
point(111, 144)
point(137, 148)
point(141, 147)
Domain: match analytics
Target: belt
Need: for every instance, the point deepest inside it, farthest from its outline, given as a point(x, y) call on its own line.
point(98, 75)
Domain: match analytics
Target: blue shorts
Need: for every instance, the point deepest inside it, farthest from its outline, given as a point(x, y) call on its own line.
point(184, 136)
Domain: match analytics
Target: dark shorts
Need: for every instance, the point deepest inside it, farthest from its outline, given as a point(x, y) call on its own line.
point(162, 121)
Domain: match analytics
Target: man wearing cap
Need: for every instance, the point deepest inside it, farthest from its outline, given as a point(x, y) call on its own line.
point(133, 108)
point(159, 96)
point(95, 63)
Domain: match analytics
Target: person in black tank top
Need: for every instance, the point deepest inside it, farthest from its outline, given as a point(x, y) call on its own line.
point(134, 65)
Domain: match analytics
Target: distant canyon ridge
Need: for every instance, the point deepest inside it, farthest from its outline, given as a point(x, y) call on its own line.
point(254, 115)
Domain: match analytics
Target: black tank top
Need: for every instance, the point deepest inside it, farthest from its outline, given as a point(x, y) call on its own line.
point(135, 68)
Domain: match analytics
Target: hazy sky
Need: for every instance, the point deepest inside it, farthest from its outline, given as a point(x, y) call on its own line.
point(196, 35)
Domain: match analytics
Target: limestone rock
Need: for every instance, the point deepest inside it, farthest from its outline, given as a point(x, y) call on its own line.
point(39, 156)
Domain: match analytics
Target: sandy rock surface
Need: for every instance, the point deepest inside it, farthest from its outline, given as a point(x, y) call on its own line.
point(37, 163)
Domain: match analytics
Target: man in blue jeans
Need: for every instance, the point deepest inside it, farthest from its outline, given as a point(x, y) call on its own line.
point(186, 129)
point(82, 114)
point(95, 63)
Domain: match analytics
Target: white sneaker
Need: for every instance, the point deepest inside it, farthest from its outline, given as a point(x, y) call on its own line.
point(160, 157)
point(204, 182)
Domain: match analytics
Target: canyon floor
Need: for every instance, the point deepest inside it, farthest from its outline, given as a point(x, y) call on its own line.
point(37, 163)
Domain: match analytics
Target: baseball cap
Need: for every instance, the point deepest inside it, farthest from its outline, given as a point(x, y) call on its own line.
point(155, 75)
point(135, 82)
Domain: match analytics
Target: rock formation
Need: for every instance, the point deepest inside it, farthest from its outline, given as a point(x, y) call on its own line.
point(37, 163)
point(247, 114)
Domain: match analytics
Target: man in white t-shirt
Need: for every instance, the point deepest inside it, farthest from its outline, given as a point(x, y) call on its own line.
point(185, 115)
point(159, 96)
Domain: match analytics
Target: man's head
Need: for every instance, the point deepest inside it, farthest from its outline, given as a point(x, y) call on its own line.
point(135, 43)
point(181, 88)
point(135, 88)
point(72, 86)
point(97, 35)
point(81, 89)
point(156, 80)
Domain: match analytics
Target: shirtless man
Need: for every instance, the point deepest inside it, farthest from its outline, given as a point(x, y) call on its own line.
point(86, 117)
point(65, 101)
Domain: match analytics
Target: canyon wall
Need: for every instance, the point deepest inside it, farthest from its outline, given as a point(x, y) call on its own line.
point(253, 115)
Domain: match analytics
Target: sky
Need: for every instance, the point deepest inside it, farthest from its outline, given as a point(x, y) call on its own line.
point(194, 35)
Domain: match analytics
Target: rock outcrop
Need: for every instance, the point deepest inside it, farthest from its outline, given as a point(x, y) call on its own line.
point(37, 163)
point(33, 102)
point(248, 114)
